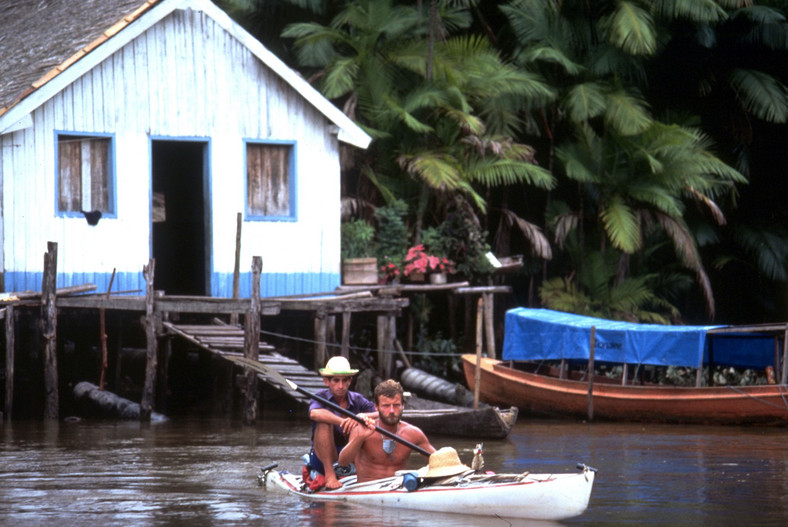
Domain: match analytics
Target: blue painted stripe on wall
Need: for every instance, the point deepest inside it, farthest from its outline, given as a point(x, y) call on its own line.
point(32, 281)
point(275, 284)
point(271, 284)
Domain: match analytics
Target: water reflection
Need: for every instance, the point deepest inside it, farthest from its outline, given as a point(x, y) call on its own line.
point(204, 472)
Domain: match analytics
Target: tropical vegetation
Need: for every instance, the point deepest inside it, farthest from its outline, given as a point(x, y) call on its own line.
point(618, 143)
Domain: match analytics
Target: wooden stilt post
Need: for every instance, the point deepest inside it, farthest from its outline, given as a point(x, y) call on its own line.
point(345, 334)
point(385, 345)
point(49, 331)
point(252, 341)
point(146, 404)
point(591, 353)
point(321, 323)
point(477, 377)
point(489, 327)
point(237, 269)
point(9, 362)
point(103, 335)
point(784, 375)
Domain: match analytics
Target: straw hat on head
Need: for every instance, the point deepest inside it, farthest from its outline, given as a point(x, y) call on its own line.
point(444, 462)
point(337, 366)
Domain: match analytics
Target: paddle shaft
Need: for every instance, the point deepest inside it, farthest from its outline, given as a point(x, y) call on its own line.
point(350, 414)
point(277, 377)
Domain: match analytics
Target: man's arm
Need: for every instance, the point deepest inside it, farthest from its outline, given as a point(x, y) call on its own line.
point(418, 438)
point(357, 438)
point(323, 415)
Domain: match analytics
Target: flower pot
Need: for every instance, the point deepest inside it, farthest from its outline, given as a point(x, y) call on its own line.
point(416, 277)
point(437, 278)
point(360, 271)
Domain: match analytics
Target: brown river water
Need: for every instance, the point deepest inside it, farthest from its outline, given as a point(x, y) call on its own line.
point(204, 473)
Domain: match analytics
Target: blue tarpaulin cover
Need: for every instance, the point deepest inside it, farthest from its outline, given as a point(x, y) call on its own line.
point(543, 334)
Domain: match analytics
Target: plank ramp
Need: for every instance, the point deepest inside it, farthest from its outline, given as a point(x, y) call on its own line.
point(228, 342)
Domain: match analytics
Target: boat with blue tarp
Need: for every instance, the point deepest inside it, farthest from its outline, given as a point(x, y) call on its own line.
point(541, 346)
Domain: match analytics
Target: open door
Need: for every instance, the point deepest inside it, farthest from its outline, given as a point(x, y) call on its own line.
point(179, 217)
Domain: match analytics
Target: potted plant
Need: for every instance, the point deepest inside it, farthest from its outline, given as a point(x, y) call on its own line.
point(359, 265)
point(419, 263)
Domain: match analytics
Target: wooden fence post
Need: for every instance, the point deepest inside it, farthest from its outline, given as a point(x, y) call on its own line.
point(252, 341)
point(49, 331)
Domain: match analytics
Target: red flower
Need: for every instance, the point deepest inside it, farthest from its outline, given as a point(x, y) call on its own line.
point(418, 261)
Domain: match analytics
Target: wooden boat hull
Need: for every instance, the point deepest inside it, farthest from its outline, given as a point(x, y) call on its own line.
point(531, 496)
point(541, 395)
point(486, 422)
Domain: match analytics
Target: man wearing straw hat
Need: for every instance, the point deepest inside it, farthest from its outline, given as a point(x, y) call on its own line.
point(329, 428)
point(374, 455)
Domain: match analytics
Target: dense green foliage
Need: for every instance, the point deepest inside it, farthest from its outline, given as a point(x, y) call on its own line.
point(611, 141)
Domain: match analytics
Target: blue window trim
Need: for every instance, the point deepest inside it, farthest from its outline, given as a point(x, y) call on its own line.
point(111, 179)
point(291, 181)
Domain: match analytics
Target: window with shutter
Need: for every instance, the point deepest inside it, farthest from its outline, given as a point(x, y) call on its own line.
point(84, 173)
point(269, 181)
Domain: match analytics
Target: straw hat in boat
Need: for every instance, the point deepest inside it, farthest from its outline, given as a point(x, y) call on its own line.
point(337, 366)
point(444, 462)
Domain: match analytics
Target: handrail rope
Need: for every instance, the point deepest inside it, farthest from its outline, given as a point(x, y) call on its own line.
point(779, 387)
point(358, 348)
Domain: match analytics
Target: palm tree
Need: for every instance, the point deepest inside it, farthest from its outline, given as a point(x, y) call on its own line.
point(629, 171)
point(442, 110)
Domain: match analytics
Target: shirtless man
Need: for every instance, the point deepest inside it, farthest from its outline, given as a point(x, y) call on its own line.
point(375, 455)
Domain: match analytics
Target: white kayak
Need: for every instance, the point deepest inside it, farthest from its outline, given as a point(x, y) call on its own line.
point(530, 496)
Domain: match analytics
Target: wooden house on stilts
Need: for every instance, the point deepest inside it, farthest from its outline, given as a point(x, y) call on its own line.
point(134, 129)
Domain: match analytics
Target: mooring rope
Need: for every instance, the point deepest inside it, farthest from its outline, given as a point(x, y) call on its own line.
point(779, 387)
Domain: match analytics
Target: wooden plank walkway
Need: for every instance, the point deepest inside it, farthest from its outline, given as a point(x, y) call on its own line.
point(228, 343)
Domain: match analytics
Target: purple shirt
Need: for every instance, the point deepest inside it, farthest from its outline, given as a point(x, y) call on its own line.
point(357, 403)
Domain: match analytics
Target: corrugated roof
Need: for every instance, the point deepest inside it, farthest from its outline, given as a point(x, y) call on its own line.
point(41, 38)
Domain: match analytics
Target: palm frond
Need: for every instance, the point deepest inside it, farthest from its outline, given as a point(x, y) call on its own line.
point(434, 168)
point(550, 55)
point(705, 11)
point(631, 28)
point(761, 94)
point(584, 101)
point(768, 247)
point(540, 246)
point(565, 224)
point(340, 79)
point(621, 224)
point(626, 114)
point(716, 211)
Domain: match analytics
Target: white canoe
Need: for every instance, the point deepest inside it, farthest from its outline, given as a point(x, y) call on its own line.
point(529, 496)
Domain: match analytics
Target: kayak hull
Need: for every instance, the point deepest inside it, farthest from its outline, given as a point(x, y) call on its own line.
point(529, 496)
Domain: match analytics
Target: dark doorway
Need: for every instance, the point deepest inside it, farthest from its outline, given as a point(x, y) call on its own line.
point(179, 222)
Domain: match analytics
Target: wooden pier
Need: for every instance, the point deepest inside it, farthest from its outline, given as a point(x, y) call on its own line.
point(161, 317)
point(160, 314)
point(227, 341)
